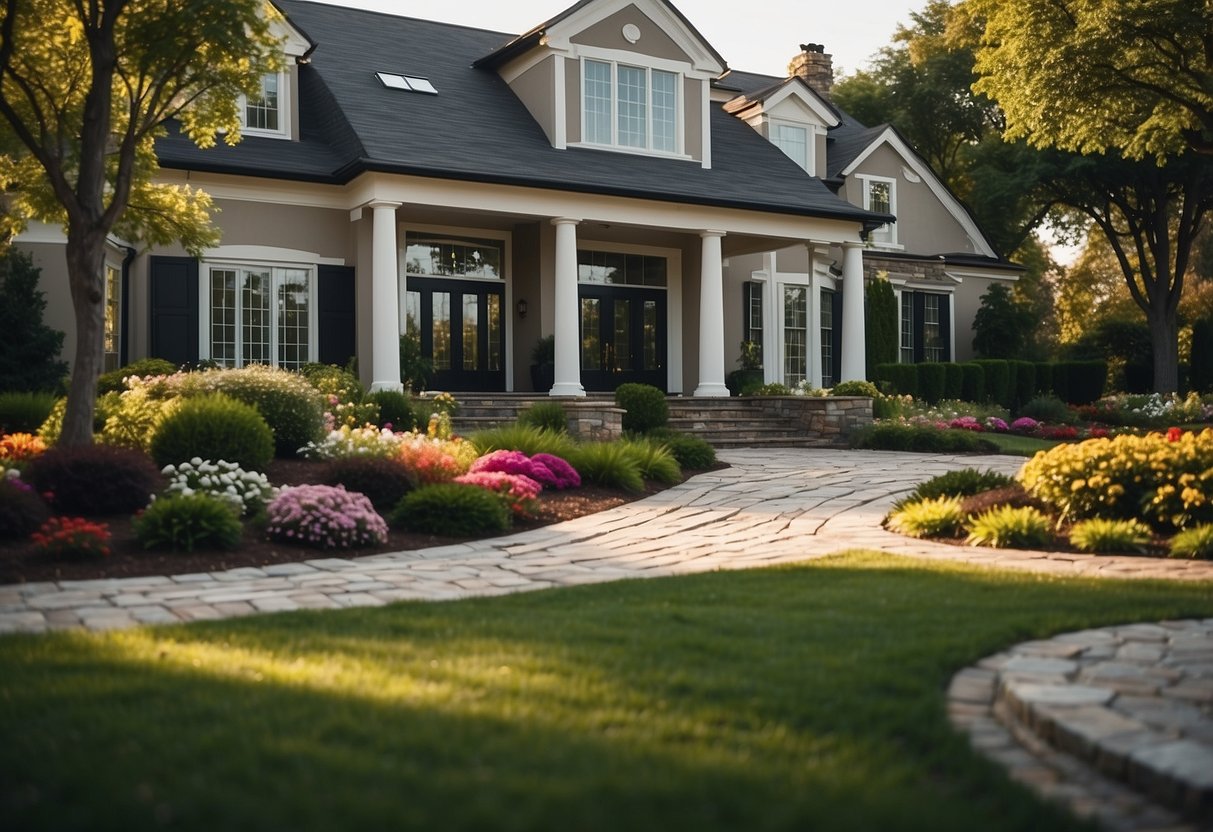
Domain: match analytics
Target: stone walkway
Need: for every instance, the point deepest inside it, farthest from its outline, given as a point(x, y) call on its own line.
point(772, 506)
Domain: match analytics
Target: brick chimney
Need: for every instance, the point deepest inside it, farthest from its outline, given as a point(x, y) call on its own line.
point(815, 67)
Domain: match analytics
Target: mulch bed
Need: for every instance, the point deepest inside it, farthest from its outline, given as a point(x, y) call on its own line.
point(20, 564)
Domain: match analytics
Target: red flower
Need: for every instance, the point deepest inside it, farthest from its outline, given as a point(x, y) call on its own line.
point(1174, 434)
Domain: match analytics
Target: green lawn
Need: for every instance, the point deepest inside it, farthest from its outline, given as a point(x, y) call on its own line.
point(1009, 443)
point(797, 698)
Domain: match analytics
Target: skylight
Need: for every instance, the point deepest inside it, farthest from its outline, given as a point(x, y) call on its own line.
point(408, 83)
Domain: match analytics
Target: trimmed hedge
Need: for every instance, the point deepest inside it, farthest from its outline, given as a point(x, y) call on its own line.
point(998, 380)
point(974, 382)
point(1079, 382)
point(953, 383)
point(1025, 382)
point(902, 377)
point(1044, 378)
point(932, 379)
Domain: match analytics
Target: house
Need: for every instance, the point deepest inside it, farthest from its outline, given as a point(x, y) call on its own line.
point(603, 178)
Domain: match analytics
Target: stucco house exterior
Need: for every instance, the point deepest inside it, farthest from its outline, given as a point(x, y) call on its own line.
point(603, 178)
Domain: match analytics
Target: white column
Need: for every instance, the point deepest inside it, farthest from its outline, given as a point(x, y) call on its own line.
point(385, 316)
point(568, 353)
point(854, 342)
point(711, 318)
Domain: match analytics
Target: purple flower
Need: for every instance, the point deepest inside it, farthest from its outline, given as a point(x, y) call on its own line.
point(563, 475)
point(996, 424)
point(1024, 424)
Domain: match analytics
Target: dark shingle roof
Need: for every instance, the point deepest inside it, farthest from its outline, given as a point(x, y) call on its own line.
point(476, 129)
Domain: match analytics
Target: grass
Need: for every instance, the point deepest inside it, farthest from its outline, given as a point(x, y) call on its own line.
point(807, 697)
point(1009, 443)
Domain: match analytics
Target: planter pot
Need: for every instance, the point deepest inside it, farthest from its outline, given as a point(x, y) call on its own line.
point(543, 376)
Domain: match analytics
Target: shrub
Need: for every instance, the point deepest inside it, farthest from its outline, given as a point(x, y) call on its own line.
point(29, 349)
point(545, 416)
point(415, 369)
point(1165, 482)
point(1025, 382)
point(292, 408)
point(383, 480)
point(654, 460)
point(324, 516)
point(433, 460)
point(953, 381)
point(1048, 409)
point(72, 537)
point(932, 379)
point(554, 472)
point(214, 427)
point(1196, 542)
point(645, 407)
point(1079, 382)
point(1010, 527)
point(935, 517)
point(1044, 378)
point(504, 462)
point(348, 442)
point(773, 389)
point(394, 409)
point(608, 464)
point(973, 382)
point(24, 412)
point(21, 509)
point(1099, 535)
point(963, 483)
point(133, 417)
point(690, 451)
point(184, 522)
point(1201, 378)
point(94, 479)
point(882, 324)
point(530, 440)
point(855, 388)
point(903, 377)
point(517, 490)
point(890, 436)
point(331, 380)
point(114, 380)
point(453, 510)
point(998, 380)
point(245, 491)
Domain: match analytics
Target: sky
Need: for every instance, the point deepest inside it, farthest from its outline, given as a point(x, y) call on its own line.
point(756, 36)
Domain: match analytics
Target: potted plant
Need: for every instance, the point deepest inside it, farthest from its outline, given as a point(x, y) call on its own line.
point(543, 364)
point(749, 378)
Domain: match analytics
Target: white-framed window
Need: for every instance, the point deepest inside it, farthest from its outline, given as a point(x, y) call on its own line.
point(880, 195)
point(795, 334)
point(632, 107)
point(826, 299)
point(795, 141)
point(907, 328)
point(112, 332)
point(268, 113)
point(259, 314)
point(925, 327)
point(932, 328)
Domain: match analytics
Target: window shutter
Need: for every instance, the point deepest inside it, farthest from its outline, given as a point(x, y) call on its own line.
point(945, 325)
point(173, 291)
point(747, 292)
point(836, 335)
point(335, 314)
point(920, 349)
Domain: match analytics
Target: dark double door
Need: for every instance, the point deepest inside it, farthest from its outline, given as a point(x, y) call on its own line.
point(462, 328)
point(623, 336)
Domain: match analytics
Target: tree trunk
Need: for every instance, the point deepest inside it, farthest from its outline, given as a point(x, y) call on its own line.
point(85, 260)
point(1164, 338)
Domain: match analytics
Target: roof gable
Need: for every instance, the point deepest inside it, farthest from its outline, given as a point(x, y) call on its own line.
point(793, 89)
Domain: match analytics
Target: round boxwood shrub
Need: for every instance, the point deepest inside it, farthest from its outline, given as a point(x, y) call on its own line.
point(111, 382)
point(383, 480)
point(394, 409)
point(214, 427)
point(184, 522)
point(292, 408)
point(855, 388)
point(94, 479)
point(22, 511)
point(452, 509)
point(645, 405)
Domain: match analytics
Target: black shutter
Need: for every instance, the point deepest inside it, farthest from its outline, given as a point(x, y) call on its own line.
point(173, 292)
point(335, 314)
point(836, 335)
point(747, 291)
point(945, 325)
point(917, 319)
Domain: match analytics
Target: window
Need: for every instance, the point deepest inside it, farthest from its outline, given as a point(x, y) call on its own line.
point(932, 337)
point(880, 195)
point(827, 338)
point(453, 257)
point(112, 335)
point(795, 334)
point(630, 106)
point(261, 315)
point(907, 327)
point(619, 269)
point(793, 141)
point(926, 332)
point(265, 114)
point(752, 310)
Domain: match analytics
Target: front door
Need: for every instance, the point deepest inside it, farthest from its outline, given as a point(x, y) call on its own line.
point(462, 331)
point(623, 336)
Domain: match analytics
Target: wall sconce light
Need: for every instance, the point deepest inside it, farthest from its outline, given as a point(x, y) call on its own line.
point(521, 307)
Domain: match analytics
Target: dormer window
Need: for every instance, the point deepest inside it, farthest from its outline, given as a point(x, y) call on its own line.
point(880, 196)
point(266, 113)
point(794, 140)
point(630, 106)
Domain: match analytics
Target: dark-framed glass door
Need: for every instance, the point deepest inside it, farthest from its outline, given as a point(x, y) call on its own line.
point(462, 328)
point(623, 336)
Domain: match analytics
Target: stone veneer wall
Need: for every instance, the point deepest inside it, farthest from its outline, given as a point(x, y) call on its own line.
point(917, 271)
point(828, 417)
point(591, 420)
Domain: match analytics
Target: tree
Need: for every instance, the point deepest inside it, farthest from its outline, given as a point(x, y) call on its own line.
point(28, 347)
point(86, 86)
point(1001, 327)
point(1101, 75)
point(881, 329)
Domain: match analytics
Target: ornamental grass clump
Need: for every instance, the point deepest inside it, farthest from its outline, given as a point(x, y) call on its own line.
point(1167, 482)
point(217, 427)
point(931, 517)
point(1196, 542)
point(1008, 527)
point(546, 416)
point(608, 464)
point(24, 412)
point(962, 483)
point(245, 491)
point(324, 517)
point(184, 522)
point(654, 460)
point(519, 491)
point(452, 509)
point(526, 438)
point(94, 479)
point(1109, 536)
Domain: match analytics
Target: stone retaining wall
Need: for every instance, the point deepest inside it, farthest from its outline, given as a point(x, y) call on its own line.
point(828, 417)
point(593, 420)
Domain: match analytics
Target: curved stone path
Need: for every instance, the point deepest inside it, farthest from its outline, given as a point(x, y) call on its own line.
point(772, 506)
